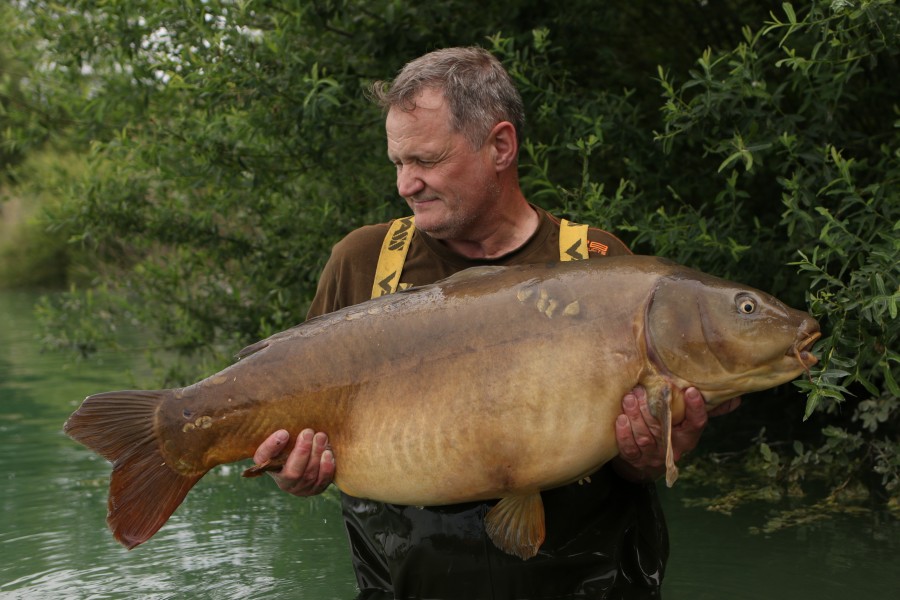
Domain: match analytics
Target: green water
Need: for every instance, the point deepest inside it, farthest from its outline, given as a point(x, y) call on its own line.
point(238, 538)
point(232, 537)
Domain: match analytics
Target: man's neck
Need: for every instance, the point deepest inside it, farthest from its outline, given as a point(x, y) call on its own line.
point(505, 233)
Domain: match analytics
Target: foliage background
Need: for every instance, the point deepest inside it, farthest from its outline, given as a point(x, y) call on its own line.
point(184, 167)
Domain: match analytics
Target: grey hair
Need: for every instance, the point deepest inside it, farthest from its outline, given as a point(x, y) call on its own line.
point(479, 91)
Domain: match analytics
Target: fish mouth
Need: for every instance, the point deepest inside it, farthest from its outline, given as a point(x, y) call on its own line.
point(802, 351)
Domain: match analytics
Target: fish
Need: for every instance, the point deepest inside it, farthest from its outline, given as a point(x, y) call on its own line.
point(493, 384)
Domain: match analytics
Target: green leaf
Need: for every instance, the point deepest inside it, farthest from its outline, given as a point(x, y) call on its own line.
point(789, 11)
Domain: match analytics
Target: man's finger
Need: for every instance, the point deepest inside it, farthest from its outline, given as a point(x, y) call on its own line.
point(628, 447)
point(725, 407)
point(647, 429)
point(695, 416)
point(309, 479)
point(271, 447)
point(298, 459)
point(326, 470)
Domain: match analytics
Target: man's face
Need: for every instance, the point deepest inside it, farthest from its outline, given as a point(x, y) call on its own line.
point(448, 186)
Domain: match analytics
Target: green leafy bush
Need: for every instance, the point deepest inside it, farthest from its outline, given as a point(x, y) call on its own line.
point(780, 151)
point(230, 145)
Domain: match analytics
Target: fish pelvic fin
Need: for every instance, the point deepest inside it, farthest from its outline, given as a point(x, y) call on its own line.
point(272, 465)
point(516, 525)
point(144, 490)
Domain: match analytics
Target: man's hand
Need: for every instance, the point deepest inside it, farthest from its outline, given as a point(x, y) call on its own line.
point(308, 469)
point(642, 442)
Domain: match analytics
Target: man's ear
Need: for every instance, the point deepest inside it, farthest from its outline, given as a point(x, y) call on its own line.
point(504, 145)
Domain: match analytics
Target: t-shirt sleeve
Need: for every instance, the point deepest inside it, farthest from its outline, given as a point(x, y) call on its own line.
point(348, 275)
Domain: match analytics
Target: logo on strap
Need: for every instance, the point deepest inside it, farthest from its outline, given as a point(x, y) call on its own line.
point(400, 238)
point(393, 255)
point(573, 242)
point(598, 248)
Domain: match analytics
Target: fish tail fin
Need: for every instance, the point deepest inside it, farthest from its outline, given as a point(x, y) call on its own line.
point(144, 490)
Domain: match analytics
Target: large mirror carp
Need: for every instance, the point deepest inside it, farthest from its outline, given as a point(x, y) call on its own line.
point(494, 383)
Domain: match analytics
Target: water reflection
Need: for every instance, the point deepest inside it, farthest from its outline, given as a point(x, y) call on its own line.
point(237, 538)
point(715, 556)
point(232, 538)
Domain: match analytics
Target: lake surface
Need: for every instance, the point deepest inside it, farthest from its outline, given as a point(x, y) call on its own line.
point(239, 538)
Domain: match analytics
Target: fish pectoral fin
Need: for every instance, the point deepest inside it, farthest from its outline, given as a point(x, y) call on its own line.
point(660, 399)
point(273, 464)
point(516, 525)
point(671, 469)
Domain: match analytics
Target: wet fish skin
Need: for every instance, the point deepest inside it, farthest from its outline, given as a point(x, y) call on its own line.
point(495, 383)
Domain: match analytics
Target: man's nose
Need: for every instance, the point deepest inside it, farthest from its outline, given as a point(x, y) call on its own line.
point(408, 181)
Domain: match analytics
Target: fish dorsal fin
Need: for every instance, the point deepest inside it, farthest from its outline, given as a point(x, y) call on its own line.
point(473, 273)
point(516, 525)
point(388, 300)
point(252, 349)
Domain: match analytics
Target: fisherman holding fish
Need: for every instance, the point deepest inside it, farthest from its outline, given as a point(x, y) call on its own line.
point(454, 121)
point(489, 445)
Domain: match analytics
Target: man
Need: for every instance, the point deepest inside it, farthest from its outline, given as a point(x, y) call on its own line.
point(453, 123)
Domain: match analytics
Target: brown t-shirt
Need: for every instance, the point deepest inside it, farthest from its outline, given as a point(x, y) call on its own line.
point(350, 272)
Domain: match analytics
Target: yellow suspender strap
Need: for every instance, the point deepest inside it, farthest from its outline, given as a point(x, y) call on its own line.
point(393, 255)
point(573, 241)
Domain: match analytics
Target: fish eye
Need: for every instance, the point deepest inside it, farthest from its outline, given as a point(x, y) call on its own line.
point(745, 304)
